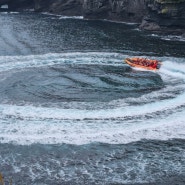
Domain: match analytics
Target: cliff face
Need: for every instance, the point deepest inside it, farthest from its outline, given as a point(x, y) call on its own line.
point(17, 4)
point(64, 7)
point(164, 13)
point(121, 10)
point(152, 14)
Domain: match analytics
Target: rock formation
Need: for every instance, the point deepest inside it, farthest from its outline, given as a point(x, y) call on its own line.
point(152, 14)
point(164, 13)
point(17, 4)
point(121, 10)
point(64, 7)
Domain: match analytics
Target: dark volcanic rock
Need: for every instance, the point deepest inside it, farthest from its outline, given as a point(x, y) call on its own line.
point(166, 13)
point(16, 5)
point(152, 14)
point(121, 10)
point(150, 26)
point(96, 9)
point(64, 7)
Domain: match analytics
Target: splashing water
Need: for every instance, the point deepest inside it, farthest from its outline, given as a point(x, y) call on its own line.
point(119, 118)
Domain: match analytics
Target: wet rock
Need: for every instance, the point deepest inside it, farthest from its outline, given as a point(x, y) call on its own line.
point(64, 7)
point(167, 13)
point(150, 26)
point(17, 5)
point(121, 10)
point(159, 13)
point(152, 14)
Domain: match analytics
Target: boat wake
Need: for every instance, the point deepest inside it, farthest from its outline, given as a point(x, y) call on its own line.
point(79, 98)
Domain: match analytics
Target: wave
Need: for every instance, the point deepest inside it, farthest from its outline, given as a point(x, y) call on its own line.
point(63, 16)
point(103, 58)
point(9, 12)
point(21, 62)
point(71, 17)
point(170, 37)
point(52, 131)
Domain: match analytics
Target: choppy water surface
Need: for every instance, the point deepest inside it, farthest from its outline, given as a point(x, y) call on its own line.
point(71, 112)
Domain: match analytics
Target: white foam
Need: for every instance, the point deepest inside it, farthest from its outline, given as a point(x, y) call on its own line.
point(125, 123)
point(173, 38)
point(82, 132)
point(71, 17)
point(70, 114)
point(63, 16)
point(119, 22)
point(14, 12)
point(22, 62)
point(169, 37)
point(173, 69)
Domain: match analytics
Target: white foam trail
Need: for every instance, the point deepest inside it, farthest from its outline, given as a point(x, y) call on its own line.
point(21, 62)
point(173, 69)
point(126, 123)
point(78, 132)
point(170, 68)
point(70, 114)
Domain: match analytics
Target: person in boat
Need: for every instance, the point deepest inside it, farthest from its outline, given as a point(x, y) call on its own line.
point(136, 61)
point(154, 64)
point(144, 62)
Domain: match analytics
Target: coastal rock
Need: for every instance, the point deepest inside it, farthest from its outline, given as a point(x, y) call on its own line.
point(151, 14)
point(17, 5)
point(119, 10)
point(167, 13)
point(150, 26)
point(64, 7)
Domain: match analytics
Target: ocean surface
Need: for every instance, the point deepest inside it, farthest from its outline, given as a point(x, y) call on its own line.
point(72, 112)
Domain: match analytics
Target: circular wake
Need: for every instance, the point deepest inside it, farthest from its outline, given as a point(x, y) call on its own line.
point(79, 98)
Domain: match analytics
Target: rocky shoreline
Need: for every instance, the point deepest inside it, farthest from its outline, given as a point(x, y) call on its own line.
point(152, 15)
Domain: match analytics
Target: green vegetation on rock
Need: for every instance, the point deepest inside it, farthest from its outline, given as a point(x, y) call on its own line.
point(170, 1)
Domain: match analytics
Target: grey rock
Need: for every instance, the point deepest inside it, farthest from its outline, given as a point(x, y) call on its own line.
point(150, 26)
point(119, 10)
point(151, 14)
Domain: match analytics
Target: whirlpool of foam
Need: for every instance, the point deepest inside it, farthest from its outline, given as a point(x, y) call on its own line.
point(79, 98)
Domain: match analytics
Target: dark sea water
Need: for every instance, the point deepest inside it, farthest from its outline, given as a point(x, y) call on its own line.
point(72, 112)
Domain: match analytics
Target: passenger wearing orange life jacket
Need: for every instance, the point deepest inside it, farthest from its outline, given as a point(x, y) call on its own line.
point(154, 64)
point(144, 63)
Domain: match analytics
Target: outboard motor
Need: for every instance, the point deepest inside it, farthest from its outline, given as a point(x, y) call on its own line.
point(158, 65)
